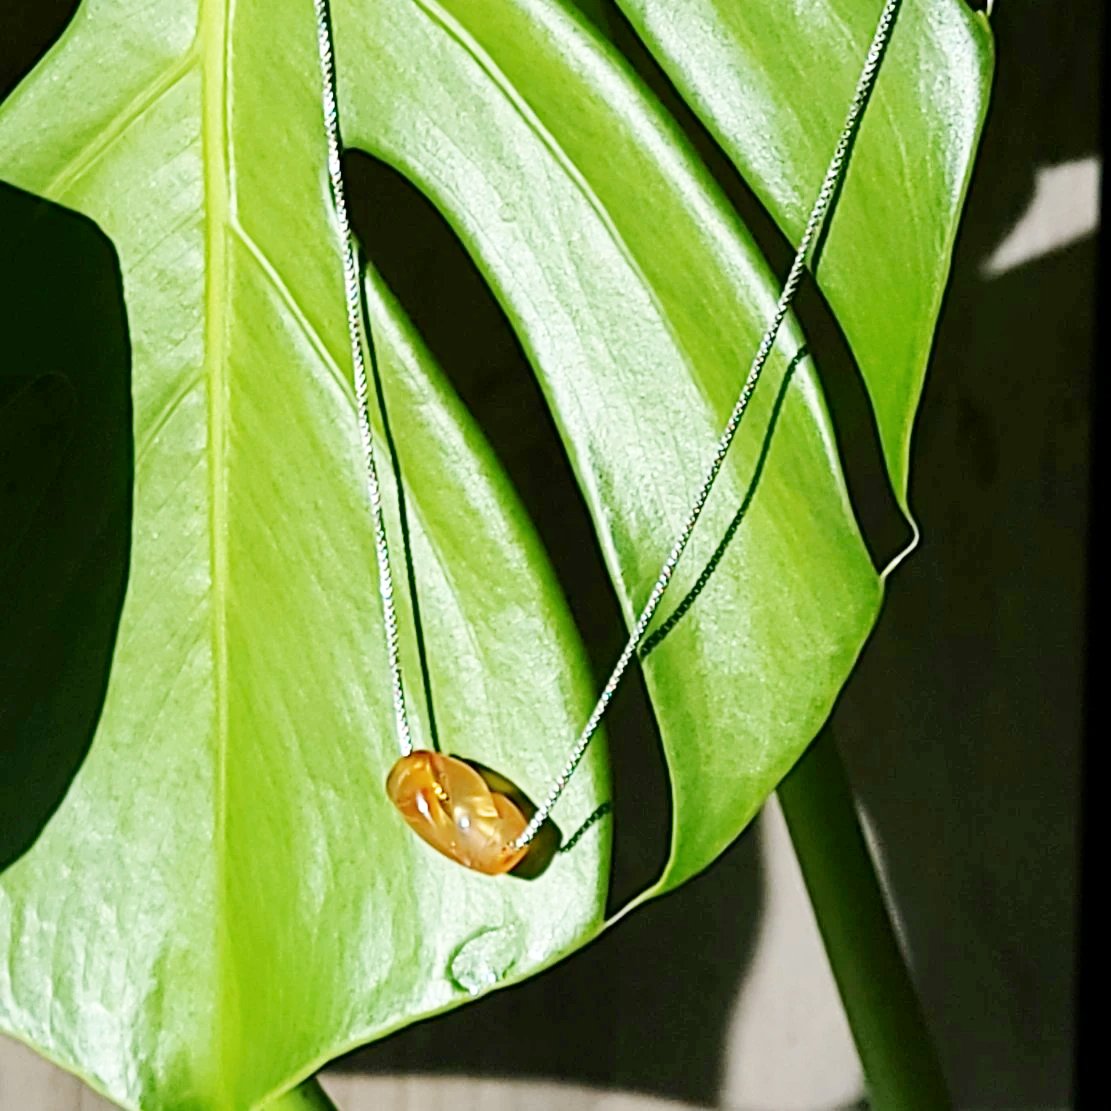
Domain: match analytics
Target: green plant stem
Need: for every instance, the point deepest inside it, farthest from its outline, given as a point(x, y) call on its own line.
point(900, 1062)
point(309, 1096)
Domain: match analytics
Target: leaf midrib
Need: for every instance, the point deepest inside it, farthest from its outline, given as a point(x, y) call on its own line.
point(211, 42)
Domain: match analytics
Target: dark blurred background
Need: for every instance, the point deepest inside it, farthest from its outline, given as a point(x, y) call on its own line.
point(961, 727)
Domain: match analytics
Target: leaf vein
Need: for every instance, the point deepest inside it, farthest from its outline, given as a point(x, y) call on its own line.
point(436, 14)
point(163, 417)
point(273, 276)
point(117, 127)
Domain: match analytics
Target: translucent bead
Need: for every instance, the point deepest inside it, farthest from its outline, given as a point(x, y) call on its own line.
point(449, 805)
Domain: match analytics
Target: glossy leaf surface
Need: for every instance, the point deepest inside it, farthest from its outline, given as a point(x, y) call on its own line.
point(888, 246)
point(226, 898)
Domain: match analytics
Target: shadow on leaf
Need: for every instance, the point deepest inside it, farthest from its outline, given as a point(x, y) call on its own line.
point(66, 463)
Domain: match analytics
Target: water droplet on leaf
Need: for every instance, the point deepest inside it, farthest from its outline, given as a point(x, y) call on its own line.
point(485, 957)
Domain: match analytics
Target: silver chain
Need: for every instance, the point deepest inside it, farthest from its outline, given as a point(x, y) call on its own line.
point(353, 293)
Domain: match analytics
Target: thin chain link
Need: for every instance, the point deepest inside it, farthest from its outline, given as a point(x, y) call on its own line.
point(655, 597)
point(353, 294)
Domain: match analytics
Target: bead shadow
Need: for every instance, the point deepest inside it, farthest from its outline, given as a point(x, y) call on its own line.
point(66, 471)
point(548, 839)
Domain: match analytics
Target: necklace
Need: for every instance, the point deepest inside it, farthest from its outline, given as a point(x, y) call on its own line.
point(470, 817)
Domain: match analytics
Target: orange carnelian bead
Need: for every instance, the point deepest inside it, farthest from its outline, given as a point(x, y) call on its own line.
point(450, 806)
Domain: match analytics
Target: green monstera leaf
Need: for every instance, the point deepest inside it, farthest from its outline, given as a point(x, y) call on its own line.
point(225, 899)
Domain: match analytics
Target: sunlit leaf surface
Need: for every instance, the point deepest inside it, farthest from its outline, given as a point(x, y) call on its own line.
point(225, 899)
